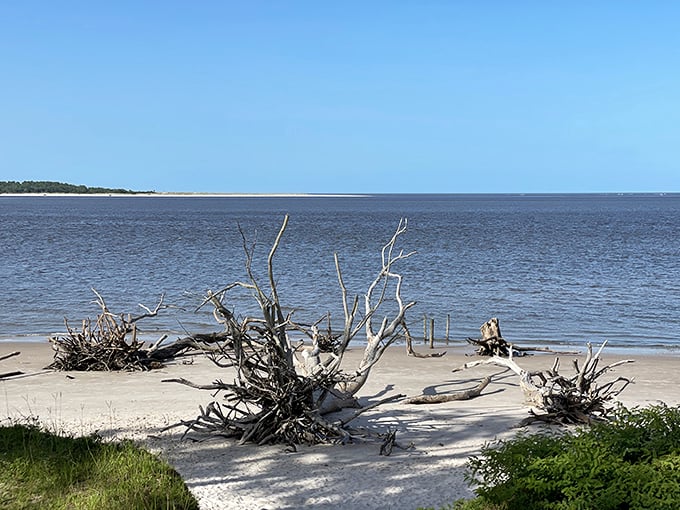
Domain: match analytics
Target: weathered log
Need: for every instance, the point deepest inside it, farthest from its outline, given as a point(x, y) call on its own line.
point(450, 397)
point(13, 373)
point(492, 342)
point(491, 329)
point(191, 344)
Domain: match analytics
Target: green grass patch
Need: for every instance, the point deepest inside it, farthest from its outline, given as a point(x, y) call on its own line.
point(41, 470)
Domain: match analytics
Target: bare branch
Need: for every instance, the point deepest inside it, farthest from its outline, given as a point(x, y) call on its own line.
point(282, 392)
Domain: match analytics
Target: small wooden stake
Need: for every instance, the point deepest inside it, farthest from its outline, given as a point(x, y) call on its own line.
point(431, 333)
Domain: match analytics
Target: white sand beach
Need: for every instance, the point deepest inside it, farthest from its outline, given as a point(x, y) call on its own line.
point(224, 475)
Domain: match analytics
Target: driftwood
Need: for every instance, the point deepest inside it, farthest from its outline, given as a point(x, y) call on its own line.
point(561, 399)
point(409, 346)
point(492, 342)
point(284, 392)
point(13, 372)
point(450, 397)
point(10, 355)
point(111, 343)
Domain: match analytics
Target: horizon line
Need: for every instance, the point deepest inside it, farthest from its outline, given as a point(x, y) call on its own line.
point(197, 194)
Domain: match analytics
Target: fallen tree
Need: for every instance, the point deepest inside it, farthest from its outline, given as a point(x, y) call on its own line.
point(283, 391)
point(111, 343)
point(561, 399)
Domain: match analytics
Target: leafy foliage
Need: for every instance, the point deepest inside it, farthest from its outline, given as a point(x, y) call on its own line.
point(630, 463)
point(54, 187)
point(41, 470)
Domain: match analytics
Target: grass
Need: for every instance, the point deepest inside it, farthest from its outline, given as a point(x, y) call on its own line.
point(41, 470)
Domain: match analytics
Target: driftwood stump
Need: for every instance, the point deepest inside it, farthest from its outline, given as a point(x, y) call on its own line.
point(492, 342)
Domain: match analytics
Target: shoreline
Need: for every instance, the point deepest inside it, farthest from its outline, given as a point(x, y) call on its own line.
point(669, 194)
point(224, 475)
point(455, 345)
point(175, 194)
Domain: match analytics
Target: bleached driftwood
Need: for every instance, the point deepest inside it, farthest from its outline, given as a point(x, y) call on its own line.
point(492, 342)
point(282, 394)
point(111, 343)
point(450, 397)
point(409, 346)
point(561, 399)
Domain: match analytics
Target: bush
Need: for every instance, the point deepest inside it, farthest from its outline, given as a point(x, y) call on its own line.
point(632, 462)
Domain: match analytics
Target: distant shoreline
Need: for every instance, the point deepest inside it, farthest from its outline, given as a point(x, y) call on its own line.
point(189, 194)
point(192, 195)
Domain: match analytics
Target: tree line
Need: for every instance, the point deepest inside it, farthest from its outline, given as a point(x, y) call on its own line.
point(56, 187)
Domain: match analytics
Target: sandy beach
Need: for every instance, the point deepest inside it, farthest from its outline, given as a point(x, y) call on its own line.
point(223, 475)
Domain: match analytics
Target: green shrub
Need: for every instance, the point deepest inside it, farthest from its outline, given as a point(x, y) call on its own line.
point(632, 462)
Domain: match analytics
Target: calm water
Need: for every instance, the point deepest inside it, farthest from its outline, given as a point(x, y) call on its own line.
point(554, 269)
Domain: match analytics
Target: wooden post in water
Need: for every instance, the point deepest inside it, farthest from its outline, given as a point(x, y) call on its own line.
point(424, 328)
point(431, 333)
point(448, 325)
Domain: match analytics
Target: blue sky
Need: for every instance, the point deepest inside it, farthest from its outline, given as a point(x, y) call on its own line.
point(342, 97)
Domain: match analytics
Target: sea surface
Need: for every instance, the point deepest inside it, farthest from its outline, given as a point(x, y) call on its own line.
point(557, 270)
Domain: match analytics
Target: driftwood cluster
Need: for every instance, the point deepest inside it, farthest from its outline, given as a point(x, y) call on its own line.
point(579, 398)
point(111, 342)
point(283, 391)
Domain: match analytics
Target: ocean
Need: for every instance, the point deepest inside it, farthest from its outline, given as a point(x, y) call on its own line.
point(557, 270)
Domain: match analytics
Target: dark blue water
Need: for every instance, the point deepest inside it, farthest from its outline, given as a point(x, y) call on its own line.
point(555, 269)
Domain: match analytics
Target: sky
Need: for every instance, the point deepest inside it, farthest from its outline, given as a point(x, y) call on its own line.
point(342, 97)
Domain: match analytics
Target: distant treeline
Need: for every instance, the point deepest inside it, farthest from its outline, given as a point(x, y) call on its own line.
point(55, 187)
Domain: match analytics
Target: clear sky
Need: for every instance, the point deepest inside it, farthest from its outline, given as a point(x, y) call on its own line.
point(341, 97)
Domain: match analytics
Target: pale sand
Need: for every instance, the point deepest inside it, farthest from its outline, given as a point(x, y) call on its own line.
point(223, 475)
